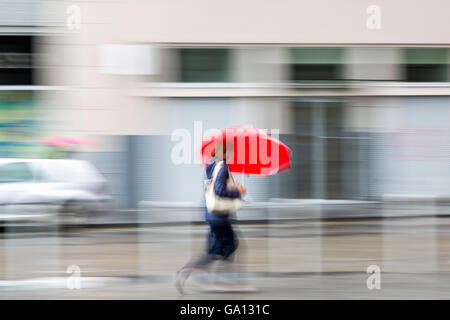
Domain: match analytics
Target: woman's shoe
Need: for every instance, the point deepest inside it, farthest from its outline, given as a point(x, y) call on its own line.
point(181, 278)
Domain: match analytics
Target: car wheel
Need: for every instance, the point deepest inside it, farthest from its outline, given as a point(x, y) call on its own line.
point(74, 212)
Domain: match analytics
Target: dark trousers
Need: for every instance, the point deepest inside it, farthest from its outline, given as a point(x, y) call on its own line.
point(222, 243)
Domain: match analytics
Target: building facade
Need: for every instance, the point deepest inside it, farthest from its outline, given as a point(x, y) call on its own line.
point(361, 99)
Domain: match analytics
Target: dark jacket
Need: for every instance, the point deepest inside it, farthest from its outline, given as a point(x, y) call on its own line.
point(220, 188)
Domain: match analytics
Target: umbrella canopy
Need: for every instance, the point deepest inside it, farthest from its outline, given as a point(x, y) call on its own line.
point(255, 152)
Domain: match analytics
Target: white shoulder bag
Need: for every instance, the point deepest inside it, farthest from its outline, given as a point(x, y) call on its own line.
point(216, 204)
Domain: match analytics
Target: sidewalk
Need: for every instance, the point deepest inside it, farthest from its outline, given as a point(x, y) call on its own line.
point(313, 210)
point(169, 213)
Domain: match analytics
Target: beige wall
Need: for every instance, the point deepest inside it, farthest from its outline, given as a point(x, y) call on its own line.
point(104, 104)
point(275, 22)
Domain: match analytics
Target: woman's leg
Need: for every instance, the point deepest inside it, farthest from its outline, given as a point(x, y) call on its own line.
point(228, 246)
point(229, 242)
point(202, 263)
point(222, 244)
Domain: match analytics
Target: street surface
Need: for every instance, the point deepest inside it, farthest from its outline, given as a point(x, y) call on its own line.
point(282, 260)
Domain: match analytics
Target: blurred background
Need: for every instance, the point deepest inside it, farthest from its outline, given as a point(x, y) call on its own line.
point(365, 111)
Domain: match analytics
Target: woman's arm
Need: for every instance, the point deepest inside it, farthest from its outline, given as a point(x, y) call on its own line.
point(220, 186)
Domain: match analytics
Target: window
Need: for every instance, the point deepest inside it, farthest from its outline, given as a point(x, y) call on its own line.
point(15, 172)
point(69, 171)
point(16, 60)
point(317, 64)
point(204, 65)
point(426, 65)
point(327, 162)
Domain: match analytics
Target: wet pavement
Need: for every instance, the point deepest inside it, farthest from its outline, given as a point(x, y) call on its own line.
point(282, 260)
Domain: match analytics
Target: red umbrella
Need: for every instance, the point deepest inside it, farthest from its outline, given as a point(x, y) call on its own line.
point(255, 152)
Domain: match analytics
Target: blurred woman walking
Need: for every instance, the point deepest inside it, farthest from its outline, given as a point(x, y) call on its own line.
point(222, 241)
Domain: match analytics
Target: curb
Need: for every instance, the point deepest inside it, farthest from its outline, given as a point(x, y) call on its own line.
point(241, 222)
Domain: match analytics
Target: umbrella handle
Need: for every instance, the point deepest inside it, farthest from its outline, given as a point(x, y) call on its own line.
point(242, 182)
point(243, 176)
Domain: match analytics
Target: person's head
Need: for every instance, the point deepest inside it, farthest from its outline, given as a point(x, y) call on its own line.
point(224, 151)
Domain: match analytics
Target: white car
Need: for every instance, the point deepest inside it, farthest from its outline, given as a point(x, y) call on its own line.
point(31, 188)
